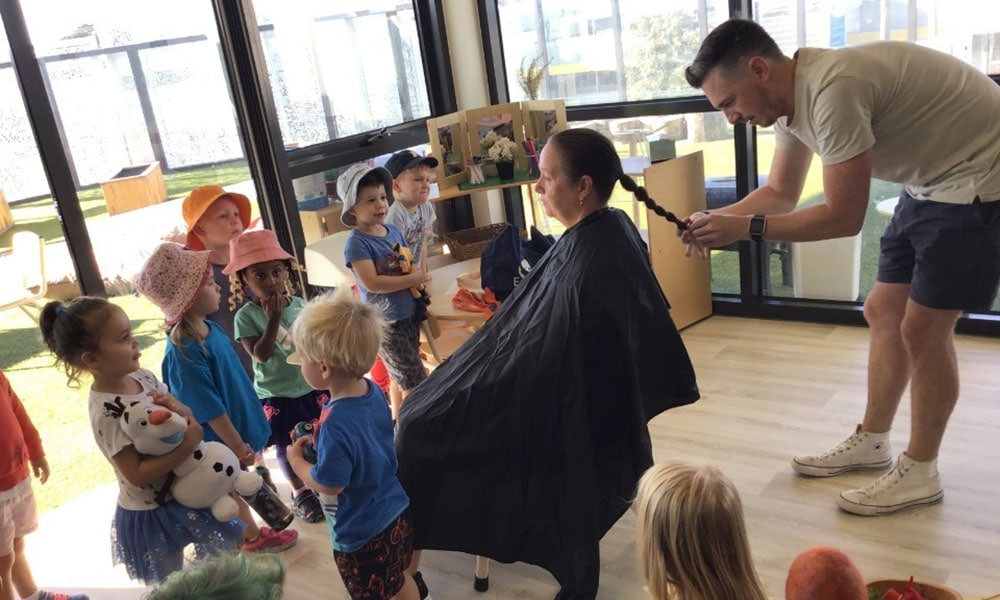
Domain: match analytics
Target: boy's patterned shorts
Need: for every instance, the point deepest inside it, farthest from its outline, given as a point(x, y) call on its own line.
point(377, 570)
point(400, 352)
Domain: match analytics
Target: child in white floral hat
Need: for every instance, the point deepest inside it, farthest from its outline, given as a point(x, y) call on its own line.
point(202, 370)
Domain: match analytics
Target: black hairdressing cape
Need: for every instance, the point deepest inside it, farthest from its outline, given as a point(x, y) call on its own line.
point(527, 444)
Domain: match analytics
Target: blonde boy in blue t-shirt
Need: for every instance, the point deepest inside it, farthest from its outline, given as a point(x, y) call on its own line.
point(336, 340)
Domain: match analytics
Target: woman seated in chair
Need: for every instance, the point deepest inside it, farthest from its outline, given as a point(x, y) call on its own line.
point(527, 444)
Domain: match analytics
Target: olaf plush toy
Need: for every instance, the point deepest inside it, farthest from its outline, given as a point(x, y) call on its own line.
point(203, 480)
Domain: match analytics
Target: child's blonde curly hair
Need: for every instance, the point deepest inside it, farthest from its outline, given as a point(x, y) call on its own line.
point(341, 331)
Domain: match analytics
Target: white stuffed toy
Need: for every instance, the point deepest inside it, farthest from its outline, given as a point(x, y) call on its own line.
point(207, 477)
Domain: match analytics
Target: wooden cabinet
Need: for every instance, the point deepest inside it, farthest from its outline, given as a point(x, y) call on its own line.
point(679, 186)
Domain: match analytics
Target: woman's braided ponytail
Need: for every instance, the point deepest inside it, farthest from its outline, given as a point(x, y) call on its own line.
point(587, 152)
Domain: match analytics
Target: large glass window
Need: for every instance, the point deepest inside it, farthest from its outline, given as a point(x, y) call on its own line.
point(603, 51)
point(945, 26)
point(342, 68)
point(143, 109)
point(967, 29)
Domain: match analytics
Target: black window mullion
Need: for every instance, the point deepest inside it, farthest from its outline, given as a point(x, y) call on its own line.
point(489, 29)
point(39, 106)
point(435, 56)
point(496, 76)
point(260, 129)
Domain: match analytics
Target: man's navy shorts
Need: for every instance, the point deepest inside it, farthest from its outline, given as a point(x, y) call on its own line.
point(948, 253)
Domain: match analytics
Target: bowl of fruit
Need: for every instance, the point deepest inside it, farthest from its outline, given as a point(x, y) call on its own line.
point(902, 589)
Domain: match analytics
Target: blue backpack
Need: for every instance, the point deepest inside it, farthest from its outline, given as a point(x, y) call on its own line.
point(507, 259)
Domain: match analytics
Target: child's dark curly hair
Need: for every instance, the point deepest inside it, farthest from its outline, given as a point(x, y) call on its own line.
point(70, 330)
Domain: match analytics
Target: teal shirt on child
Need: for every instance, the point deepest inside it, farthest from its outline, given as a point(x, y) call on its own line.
point(273, 378)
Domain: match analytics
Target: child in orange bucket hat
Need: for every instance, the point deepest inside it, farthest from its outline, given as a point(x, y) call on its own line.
point(214, 217)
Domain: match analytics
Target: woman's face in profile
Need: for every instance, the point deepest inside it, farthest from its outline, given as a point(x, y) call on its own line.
point(560, 200)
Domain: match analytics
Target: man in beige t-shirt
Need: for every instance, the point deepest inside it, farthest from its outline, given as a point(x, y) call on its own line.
point(899, 112)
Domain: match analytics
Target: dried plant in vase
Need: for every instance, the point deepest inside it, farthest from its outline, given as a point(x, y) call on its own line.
point(529, 76)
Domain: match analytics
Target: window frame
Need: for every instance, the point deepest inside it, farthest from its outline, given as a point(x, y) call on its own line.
point(754, 268)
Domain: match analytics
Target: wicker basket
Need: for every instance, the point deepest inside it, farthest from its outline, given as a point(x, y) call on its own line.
point(927, 590)
point(470, 243)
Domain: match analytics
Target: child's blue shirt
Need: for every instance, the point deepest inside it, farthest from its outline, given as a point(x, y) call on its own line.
point(355, 451)
point(211, 381)
point(396, 306)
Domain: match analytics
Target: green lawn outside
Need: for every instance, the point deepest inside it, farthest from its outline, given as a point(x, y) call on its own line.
point(39, 215)
point(60, 413)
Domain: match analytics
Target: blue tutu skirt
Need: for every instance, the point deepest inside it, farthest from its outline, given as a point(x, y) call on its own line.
point(150, 543)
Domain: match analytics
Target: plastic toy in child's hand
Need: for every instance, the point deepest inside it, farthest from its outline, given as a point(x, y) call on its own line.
point(306, 429)
point(405, 258)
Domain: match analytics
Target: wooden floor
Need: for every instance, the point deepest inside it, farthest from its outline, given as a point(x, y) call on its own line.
point(770, 390)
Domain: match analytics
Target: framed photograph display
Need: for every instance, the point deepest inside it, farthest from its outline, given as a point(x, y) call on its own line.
point(541, 119)
point(503, 120)
point(449, 140)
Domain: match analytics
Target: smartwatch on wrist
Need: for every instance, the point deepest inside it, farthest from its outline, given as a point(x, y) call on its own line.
point(758, 225)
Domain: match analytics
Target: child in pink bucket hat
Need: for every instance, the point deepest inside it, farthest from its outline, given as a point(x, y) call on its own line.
point(258, 263)
point(202, 370)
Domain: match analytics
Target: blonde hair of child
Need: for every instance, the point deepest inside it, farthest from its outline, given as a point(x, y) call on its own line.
point(186, 328)
point(692, 541)
point(340, 330)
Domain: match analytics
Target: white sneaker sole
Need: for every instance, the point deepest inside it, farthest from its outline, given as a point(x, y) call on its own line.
point(814, 471)
point(868, 510)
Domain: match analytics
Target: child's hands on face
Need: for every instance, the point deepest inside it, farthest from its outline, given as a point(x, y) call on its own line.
point(273, 305)
point(40, 468)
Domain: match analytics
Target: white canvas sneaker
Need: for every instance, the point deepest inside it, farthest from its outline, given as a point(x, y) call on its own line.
point(909, 484)
point(861, 451)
